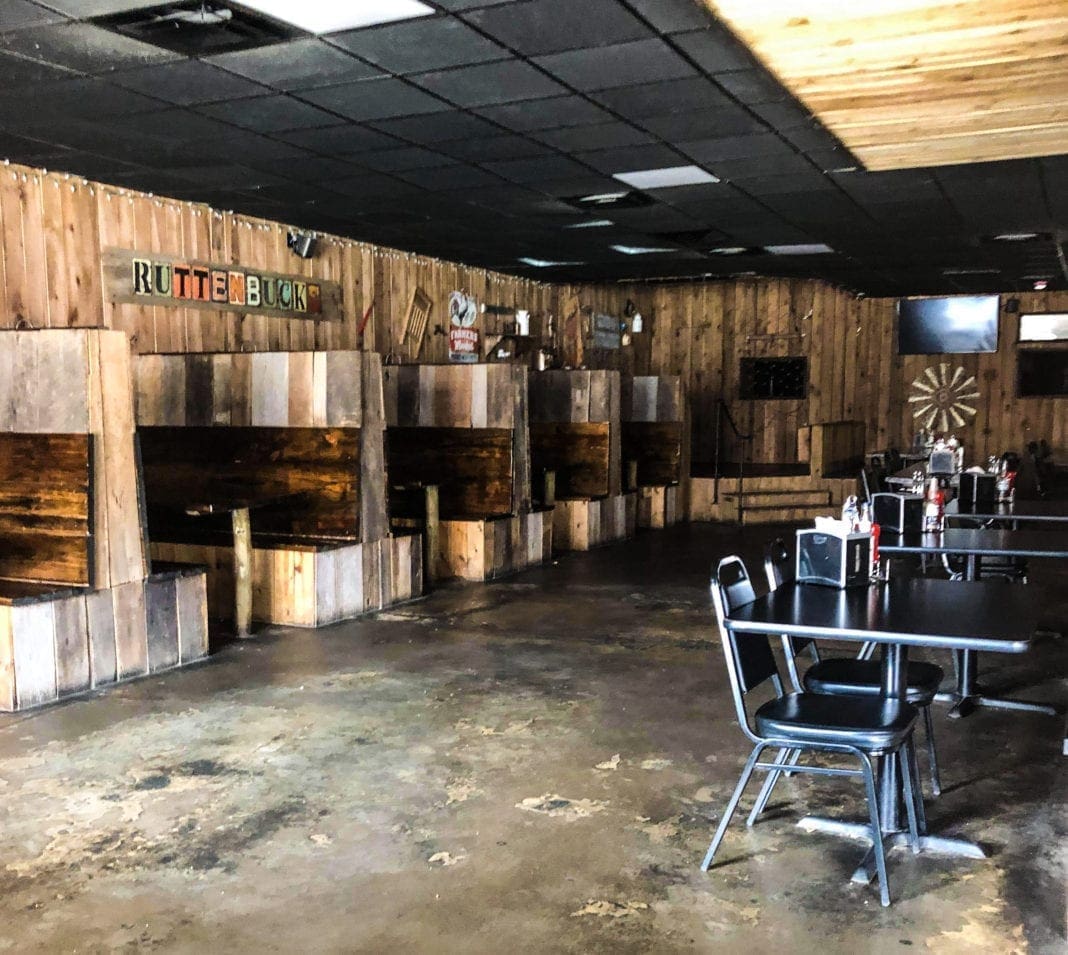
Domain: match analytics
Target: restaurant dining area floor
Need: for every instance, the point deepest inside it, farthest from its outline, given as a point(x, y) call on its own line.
point(535, 764)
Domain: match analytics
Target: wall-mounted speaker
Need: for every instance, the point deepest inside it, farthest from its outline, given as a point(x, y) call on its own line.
point(302, 244)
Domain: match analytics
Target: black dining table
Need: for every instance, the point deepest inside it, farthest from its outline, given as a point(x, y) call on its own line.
point(1018, 512)
point(973, 544)
point(897, 614)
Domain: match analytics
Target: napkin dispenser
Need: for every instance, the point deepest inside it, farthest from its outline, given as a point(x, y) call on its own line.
point(899, 513)
point(833, 560)
point(976, 488)
point(942, 462)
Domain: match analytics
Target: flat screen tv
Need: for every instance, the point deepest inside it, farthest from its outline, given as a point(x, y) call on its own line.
point(946, 326)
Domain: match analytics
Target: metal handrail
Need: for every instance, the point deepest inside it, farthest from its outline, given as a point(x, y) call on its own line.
point(721, 410)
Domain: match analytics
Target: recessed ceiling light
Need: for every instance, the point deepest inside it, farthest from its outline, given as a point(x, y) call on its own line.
point(967, 271)
point(1040, 285)
point(812, 248)
point(641, 249)
point(595, 224)
point(1015, 236)
point(328, 16)
point(729, 250)
point(545, 263)
point(665, 178)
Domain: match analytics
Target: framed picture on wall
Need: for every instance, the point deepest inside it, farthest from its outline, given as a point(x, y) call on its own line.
point(1045, 327)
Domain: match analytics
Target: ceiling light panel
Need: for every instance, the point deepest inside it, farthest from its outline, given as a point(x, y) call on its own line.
point(329, 16)
point(595, 224)
point(815, 248)
point(641, 249)
point(666, 178)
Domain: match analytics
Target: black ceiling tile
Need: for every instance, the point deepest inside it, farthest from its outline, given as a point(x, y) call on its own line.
point(654, 218)
point(83, 47)
point(752, 86)
point(295, 65)
point(266, 114)
point(536, 170)
point(375, 186)
point(715, 50)
point(813, 182)
point(97, 168)
point(512, 197)
point(719, 149)
point(624, 64)
point(73, 98)
point(305, 167)
point(20, 71)
point(830, 160)
point(629, 160)
point(240, 144)
point(402, 159)
point(657, 99)
point(437, 127)
point(810, 137)
point(785, 114)
point(375, 99)
point(83, 9)
point(420, 45)
point(602, 136)
point(699, 124)
point(550, 26)
point(590, 184)
point(489, 83)
point(673, 16)
point(490, 148)
point(339, 140)
point(291, 192)
point(20, 14)
point(186, 82)
point(550, 113)
point(456, 176)
point(228, 176)
point(756, 167)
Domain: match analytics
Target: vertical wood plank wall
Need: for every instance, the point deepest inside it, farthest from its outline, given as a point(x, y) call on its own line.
point(53, 228)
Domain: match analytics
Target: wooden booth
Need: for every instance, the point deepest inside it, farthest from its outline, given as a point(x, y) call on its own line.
point(78, 607)
point(271, 465)
point(458, 456)
point(576, 456)
point(656, 446)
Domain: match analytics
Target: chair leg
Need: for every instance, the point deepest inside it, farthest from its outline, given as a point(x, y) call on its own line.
point(917, 789)
point(769, 784)
point(732, 805)
point(876, 830)
point(910, 773)
point(932, 753)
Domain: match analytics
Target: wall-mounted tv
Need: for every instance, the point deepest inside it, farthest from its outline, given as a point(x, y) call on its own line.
point(946, 326)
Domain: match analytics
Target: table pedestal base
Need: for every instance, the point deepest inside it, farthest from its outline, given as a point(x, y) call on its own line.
point(865, 872)
point(969, 695)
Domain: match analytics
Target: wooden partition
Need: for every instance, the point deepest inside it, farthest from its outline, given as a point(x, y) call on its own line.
point(656, 445)
point(832, 448)
point(575, 438)
point(305, 426)
point(463, 429)
point(78, 608)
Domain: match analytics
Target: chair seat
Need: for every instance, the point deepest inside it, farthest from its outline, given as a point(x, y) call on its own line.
point(871, 724)
point(839, 675)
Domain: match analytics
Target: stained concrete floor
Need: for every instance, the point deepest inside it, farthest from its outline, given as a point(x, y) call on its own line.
point(535, 765)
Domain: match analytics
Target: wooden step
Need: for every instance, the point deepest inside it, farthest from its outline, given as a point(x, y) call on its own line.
point(813, 497)
point(783, 515)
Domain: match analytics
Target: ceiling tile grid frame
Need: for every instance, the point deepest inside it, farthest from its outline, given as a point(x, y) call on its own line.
point(521, 104)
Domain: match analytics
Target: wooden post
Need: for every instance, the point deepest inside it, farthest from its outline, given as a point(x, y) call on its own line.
point(431, 528)
point(242, 572)
point(632, 475)
point(548, 494)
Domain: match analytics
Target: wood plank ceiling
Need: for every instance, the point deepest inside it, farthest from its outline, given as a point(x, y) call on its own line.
point(912, 83)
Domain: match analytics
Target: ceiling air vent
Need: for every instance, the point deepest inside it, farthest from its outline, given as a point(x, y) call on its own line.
point(197, 28)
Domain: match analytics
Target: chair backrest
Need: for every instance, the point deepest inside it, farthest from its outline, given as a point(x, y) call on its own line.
point(780, 568)
point(749, 658)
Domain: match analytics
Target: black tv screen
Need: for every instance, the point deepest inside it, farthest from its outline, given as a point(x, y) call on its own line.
point(941, 326)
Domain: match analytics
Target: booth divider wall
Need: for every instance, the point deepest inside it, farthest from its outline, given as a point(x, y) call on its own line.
point(656, 446)
point(575, 436)
point(304, 431)
point(463, 430)
point(78, 608)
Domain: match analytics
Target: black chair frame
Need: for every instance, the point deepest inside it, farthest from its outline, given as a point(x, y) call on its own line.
point(750, 663)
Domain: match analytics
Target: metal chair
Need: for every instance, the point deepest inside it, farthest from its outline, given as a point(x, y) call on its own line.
point(795, 723)
point(860, 674)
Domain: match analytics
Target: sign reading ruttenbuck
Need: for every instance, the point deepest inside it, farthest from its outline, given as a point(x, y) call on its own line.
point(155, 279)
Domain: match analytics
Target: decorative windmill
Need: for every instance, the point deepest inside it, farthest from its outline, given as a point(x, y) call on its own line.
point(946, 399)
